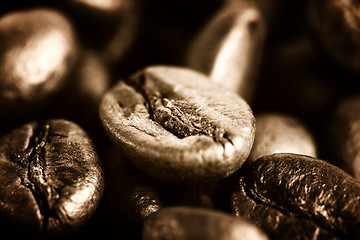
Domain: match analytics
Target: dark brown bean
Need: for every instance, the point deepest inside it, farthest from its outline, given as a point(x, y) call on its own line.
point(51, 179)
point(274, 222)
point(310, 188)
point(175, 125)
point(197, 223)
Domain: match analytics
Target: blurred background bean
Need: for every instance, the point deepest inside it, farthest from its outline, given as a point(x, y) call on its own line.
point(343, 134)
point(280, 133)
point(336, 26)
point(229, 48)
point(194, 223)
point(38, 50)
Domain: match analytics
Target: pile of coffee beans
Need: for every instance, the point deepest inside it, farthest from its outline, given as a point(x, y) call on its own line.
point(183, 119)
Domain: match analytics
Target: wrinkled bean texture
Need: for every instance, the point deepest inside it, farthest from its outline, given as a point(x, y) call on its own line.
point(310, 188)
point(177, 126)
point(51, 178)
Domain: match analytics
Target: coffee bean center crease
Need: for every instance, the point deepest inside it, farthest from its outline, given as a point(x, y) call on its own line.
point(178, 116)
point(33, 177)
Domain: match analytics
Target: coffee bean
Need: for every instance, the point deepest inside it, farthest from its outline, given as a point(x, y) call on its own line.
point(38, 49)
point(343, 136)
point(175, 125)
point(310, 188)
point(197, 223)
point(280, 133)
point(229, 48)
point(336, 26)
point(274, 222)
point(51, 179)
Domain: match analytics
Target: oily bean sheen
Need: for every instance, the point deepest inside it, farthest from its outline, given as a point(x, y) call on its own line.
point(310, 188)
point(198, 223)
point(51, 180)
point(176, 125)
point(274, 222)
point(37, 51)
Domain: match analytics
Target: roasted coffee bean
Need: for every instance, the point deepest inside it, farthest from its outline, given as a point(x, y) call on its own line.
point(280, 133)
point(38, 49)
point(175, 125)
point(130, 197)
point(336, 26)
point(274, 222)
point(51, 179)
point(310, 188)
point(229, 48)
point(197, 223)
point(343, 136)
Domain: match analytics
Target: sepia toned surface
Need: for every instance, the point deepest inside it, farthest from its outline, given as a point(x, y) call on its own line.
point(230, 47)
point(183, 119)
point(203, 132)
point(311, 190)
point(38, 48)
point(343, 136)
point(194, 223)
point(280, 133)
point(51, 178)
